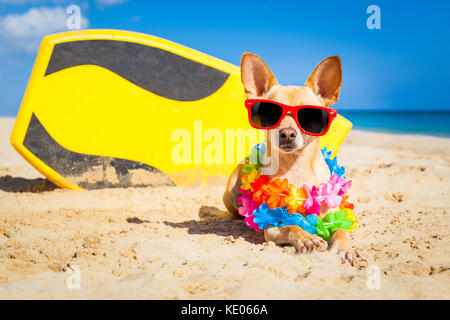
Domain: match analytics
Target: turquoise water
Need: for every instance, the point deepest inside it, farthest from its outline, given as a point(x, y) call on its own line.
point(435, 123)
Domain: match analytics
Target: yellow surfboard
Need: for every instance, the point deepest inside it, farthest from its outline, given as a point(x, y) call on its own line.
point(107, 108)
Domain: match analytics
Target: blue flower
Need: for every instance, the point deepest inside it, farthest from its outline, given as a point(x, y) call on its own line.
point(326, 154)
point(257, 154)
point(332, 163)
point(280, 217)
point(308, 224)
point(265, 216)
point(261, 147)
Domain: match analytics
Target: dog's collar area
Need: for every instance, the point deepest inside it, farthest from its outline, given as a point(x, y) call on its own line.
point(266, 202)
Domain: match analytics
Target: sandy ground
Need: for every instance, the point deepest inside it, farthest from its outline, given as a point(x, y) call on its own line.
point(158, 242)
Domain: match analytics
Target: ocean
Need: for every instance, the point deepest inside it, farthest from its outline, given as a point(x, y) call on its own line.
point(434, 123)
point(431, 123)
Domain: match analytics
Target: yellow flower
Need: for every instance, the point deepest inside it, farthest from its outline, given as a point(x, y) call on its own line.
point(294, 200)
point(351, 216)
point(248, 179)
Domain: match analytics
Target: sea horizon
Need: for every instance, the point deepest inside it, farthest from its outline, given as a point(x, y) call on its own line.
point(417, 122)
point(434, 123)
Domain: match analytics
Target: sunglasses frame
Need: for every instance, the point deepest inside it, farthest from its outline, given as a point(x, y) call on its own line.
point(332, 113)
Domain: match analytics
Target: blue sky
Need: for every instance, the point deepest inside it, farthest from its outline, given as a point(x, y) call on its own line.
point(404, 65)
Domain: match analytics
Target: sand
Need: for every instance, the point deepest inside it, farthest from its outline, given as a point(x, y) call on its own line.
point(172, 243)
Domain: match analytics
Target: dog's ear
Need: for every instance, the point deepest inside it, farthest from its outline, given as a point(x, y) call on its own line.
point(255, 75)
point(326, 80)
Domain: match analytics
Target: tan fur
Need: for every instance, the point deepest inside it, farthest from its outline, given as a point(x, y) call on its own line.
point(304, 164)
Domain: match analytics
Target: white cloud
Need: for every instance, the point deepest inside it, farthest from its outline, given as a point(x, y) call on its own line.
point(34, 2)
point(15, 1)
point(18, 2)
point(24, 32)
point(135, 18)
point(108, 3)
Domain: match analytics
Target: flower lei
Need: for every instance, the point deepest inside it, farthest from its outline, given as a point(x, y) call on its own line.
point(265, 202)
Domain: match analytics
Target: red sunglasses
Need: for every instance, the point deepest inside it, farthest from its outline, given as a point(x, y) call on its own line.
point(311, 120)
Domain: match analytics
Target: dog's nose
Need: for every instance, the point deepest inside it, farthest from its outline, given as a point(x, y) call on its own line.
point(287, 135)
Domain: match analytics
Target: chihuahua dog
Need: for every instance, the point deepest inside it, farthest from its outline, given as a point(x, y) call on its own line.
point(299, 156)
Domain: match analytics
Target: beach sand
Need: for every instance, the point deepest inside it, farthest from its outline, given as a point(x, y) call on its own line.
point(167, 243)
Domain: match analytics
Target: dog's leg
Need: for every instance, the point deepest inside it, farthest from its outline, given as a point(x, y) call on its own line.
point(232, 191)
point(340, 245)
point(296, 236)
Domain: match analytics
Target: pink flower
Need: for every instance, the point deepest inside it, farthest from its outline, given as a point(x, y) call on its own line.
point(247, 207)
point(311, 204)
point(245, 193)
point(249, 222)
point(344, 184)
point(246, 202)
point(329, 194)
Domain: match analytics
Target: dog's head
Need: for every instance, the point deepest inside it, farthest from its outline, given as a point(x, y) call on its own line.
point(322, 88)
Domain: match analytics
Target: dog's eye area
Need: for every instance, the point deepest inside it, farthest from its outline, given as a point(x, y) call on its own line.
point(265, 114)
point(313, 120)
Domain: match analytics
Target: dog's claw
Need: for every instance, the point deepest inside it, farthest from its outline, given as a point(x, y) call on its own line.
point(313, 243)
point(309, 245)
point(320, 244)
point(341, 247)
point(300, 246)
point(344, 254)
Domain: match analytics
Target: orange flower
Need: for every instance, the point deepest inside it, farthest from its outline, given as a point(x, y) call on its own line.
point(259, 188)
point(260, 183)
point(294, 200)
point(276, 191)
point(345, 204)
point(259, 196)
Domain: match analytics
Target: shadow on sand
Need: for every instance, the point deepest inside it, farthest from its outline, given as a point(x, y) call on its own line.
point(214, 221)
point(17, 184)
point(221, 223)
point(224, 228)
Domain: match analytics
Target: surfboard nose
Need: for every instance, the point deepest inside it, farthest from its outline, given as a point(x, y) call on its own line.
point(101, 108)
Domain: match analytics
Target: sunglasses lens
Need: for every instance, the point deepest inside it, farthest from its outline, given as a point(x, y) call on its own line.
point(313, 120)
point(265, 114)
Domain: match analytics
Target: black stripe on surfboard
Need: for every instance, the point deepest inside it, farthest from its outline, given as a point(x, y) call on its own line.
point(159, 71)
point(89, 171)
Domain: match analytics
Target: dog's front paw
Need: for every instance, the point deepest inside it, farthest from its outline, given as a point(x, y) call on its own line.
point(309, 242)
point(345, 254)
point(341, 247)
